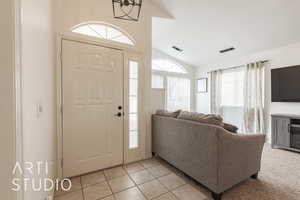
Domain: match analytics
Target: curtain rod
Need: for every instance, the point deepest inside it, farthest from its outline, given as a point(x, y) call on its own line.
point(227, 68)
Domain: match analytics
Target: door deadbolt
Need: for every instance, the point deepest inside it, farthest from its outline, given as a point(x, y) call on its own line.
point(119, 114)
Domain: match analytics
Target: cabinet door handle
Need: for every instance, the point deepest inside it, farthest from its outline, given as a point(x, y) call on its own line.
point(295, 125)
point(289, 128)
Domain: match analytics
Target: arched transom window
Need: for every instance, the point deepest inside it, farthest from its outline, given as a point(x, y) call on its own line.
point(167, 66)
point(104, 31)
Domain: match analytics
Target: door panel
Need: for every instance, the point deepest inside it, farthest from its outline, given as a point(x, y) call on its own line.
point(282, 133)
point(92, 91)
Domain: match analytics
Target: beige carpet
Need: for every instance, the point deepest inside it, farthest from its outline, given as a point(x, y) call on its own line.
point(279, 178)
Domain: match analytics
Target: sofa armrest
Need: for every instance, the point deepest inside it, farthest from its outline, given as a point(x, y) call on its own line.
point(239, 157)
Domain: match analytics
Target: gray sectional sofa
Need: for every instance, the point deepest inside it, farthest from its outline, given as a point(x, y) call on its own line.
point(213, 156)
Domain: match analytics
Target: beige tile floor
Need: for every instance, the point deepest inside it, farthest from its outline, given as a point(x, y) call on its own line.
point(144, 180)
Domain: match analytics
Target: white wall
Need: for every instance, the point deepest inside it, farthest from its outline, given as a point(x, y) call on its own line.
point(38, 74)
point(7, 100)
point(279, 57)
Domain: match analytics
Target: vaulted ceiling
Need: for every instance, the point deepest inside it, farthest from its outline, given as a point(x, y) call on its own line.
point(203, 27)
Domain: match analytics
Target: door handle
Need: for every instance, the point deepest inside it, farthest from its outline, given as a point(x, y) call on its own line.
point(119, 114)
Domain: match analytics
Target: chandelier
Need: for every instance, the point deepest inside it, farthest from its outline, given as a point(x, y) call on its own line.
point(127, 9)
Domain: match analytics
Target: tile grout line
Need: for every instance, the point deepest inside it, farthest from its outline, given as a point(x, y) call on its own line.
point(122, 189)
point(145, 169)
point(157, 179)
point(135, 183)
point(112, 193)
point(169, 190)
point(83, 196)
point(105, 181)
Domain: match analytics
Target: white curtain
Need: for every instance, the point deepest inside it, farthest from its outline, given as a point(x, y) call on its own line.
point(253, 98)
point(216, 92)
point(178, 94)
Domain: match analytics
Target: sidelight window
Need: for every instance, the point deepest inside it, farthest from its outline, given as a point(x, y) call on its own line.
point(133, 105)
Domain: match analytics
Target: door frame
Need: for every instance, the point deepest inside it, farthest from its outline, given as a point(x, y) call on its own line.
point(132, 155)
point(128, 54)
point(18, 68)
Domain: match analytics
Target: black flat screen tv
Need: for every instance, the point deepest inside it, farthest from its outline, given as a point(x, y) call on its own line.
point(286, 84)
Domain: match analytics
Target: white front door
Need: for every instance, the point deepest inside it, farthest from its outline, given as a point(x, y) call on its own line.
point(92, 100)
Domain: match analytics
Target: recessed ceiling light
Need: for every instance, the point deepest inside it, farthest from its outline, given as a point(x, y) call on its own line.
point(226, 50)
point(177, 49)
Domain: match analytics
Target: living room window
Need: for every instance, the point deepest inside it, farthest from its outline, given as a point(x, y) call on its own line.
point(232, 88)
point(174, 81)
point(178, 93)
point(157, 81)
point(232, 96)
point(238, 94)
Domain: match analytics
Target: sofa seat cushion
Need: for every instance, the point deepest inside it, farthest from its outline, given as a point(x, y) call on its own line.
point(166, 113)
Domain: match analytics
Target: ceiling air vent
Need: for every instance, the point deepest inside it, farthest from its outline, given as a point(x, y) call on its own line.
point(226, 50)
point(177, 49)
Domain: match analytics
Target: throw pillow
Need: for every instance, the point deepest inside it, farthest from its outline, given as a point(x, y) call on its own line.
point(230, 127)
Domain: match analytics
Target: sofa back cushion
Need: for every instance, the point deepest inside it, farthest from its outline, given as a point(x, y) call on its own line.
point(166, 113)
point(198, 117)
point(202, 118)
